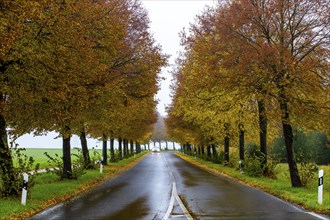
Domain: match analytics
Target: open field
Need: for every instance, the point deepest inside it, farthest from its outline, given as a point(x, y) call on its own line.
point(305, 197)
point(39, 154)
point(49, 190)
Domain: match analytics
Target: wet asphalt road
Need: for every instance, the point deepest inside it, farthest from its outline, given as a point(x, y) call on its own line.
point(145, 192)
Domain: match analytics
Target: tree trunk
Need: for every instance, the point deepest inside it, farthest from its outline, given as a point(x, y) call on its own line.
point(209, 155)
point(226, 148)
point(132, 147)
point(104, 150)
point(120, 148)
point(288, 138)
point(84, 148)
point(173, 146)
point(125, 148)
point(202, 151)
point(226, 143)
point(6, 162)
point(241, 141)
point(138, 147)
point(112, 150)
point(263, 131)
point(199, 151)
point(160, 144)
point(67, 166)
point(189, 149)
point(214, 151)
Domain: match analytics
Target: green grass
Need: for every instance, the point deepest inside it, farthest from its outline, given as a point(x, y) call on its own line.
point(305, 197)
point(49, 190)
point(39, 154)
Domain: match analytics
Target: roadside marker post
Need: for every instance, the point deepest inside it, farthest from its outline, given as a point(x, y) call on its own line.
point(24, 189)
point(240, 166)
point(320, 188)
point(101, 165)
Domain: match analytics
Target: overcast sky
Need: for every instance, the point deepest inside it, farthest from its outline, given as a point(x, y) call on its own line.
point(168, 18)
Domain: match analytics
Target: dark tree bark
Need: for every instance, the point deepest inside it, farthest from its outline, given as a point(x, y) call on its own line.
point(138, 147)
point(214, 151)
point(263, 131)
point(112, 150)
point(120, 149)
point(131, 148)
point(226, 149)
point(84, 148)
point(104, 150)
point(288, 139)
point(209, 155)
point(173, 145)
point(166, 145)
point(241, 141)
point(202, 150)
point(226, 143)
point(183, 148)
point(125, 148)
point(67, 166)
point(6, 162)
point(189, 149)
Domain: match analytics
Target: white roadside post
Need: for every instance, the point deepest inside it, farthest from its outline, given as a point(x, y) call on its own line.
point(320, 188)
point(24, 189)
point(240, 166)
point(101, 165)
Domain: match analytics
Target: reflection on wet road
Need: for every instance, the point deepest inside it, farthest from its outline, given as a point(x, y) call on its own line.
point(146, 192)
point(143, 192)
point(214, 197)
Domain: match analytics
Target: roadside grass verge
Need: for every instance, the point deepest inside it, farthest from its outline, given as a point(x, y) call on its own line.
point(49, 190)
point(305, 197)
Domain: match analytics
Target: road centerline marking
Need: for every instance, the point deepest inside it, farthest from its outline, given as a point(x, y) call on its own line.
point(170, 207)
point(174, 196)
point(184, 209)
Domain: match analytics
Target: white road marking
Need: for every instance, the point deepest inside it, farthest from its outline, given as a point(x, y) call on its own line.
point(317, 216)
point(170, 207)
point(174, 197)
point(185, 211)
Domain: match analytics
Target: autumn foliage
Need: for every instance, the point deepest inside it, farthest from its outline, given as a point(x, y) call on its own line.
point(254, 68)
point(76, 67)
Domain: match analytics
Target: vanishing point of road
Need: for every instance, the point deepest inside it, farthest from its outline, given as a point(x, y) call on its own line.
point(163, 186)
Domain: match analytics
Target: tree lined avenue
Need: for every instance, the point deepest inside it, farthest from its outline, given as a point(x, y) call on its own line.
point(251, 73)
